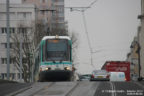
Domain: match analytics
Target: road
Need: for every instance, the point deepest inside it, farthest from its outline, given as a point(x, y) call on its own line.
point(83, 88)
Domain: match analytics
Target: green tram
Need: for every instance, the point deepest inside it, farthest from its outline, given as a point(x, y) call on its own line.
point(53, 59)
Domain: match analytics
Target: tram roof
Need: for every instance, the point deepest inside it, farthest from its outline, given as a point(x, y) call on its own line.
point(53, 37)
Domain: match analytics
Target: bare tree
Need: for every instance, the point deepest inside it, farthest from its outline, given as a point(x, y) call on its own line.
point(25, 34)
point(59, 31)
point(40, 30)
point(31, 37)
point(75, 43)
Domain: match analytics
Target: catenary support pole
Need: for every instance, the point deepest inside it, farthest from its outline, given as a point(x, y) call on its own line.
point(8, 40)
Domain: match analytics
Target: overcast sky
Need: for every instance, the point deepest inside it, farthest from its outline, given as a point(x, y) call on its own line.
point(112, 25)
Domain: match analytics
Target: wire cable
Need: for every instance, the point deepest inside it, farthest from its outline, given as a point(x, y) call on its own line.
point(86, 31)
point(83, 9)
point(90, 5)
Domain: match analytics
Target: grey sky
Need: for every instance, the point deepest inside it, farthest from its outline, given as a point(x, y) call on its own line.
point(112, 25)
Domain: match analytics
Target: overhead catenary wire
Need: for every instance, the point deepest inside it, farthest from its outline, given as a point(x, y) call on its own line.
point(83, 9)
point(90, 5)
point(93, 3)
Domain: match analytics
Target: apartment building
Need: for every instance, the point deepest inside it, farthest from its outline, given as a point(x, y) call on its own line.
point(19, 14)
point(133, 57)
point(50, 12)
point(27, 12)
point(141, 39)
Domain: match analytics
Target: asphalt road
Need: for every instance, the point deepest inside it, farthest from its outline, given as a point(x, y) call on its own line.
point(80, 88)
point(120, 89)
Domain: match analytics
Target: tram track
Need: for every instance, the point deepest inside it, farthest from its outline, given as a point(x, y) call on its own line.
point(36, 87)
point(51, 84)
point(57, 89)
point(71, 91)
point(62, 89)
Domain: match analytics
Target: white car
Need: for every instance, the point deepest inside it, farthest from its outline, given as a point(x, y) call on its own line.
point(100, 75)
point(117, 76)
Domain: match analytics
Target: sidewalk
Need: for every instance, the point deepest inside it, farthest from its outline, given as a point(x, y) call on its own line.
point(6, 81)
point(7, 87)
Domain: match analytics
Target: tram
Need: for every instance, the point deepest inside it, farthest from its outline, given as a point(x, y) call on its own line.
point(53, 59)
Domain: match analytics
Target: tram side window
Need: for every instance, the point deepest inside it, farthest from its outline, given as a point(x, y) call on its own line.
point(43, 52)
point(70, 52)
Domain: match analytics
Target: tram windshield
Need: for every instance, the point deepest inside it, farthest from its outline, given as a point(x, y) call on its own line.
point(57, 50)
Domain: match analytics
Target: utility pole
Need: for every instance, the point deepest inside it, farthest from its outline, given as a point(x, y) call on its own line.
point(21, 41)
point(8, 40)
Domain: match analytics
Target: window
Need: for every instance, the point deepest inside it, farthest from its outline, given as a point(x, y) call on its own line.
point(24, 15)
point(4, 60)
point(12, 60)
point(12, 30)
point(58, 0)
point(3, 75)
point(12, 15)
point(5, 45)
point(43, 12)
point(18, 74)
point(22, 30)
point(24, 60)
point(12, 75)
point(2, 15)
point(43, 1)
point(4, 30)
point(60, 9)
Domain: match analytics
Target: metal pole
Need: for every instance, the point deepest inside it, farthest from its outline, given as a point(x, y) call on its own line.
point(32, 72)
point(139, 61)
point(86, 31)
point(8, 40)
point(21, 40)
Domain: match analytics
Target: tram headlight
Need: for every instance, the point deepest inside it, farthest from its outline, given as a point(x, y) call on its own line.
point(46, 68)
point(67, 68)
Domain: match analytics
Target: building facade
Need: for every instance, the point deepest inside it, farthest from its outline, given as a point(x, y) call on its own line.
point(133, 57)
point(141, 39)
point(19, 14)
point(27, 12)
point(51, 12)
